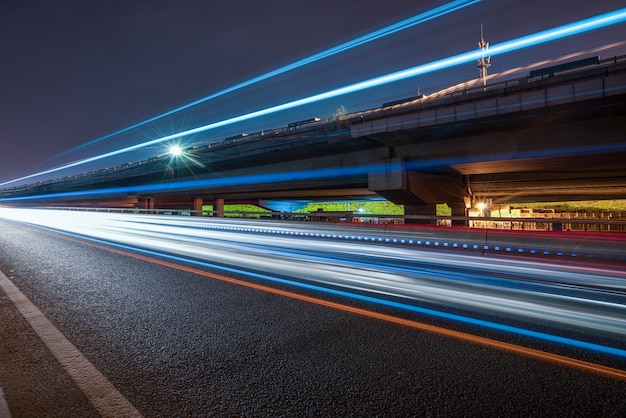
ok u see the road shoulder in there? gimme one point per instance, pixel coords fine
(33, 381)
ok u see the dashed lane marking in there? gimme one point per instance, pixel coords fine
(101, 393)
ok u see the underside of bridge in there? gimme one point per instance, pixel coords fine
(573, 153)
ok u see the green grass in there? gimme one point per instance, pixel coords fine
(368, 207)
(374, 208)
(384, 207)
(586, 206)
(239, 208)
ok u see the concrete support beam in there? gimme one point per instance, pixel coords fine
(405, 187)
(218, 208)
(392, 183)
(459, 209)
(436, 188)
(428, 211)
(197, 206)
(146, 203)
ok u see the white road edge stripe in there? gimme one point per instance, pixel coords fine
(101, 393)
(4, 409)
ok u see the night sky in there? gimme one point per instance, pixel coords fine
(75, 70)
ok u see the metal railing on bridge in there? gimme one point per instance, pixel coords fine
(521, 94)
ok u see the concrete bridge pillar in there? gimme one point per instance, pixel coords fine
(146, 203)
(424, 214)
(458, 209)
(218, 208)
(419, 192)
(197, 206)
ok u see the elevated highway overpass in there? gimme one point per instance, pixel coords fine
(545, 137)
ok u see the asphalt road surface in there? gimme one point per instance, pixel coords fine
(187, 317)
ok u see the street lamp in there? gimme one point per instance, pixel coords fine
(175, 150)
(481, 207)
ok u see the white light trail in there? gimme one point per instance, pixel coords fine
(564, 297)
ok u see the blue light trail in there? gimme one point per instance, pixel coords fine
(388, 30)
(107, 225)
(220, 182)
(539, 38)
(389, 303)
(275, 177)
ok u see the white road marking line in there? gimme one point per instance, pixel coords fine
(4, 409)
(101, 393)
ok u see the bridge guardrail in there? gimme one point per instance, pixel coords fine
(513, 96)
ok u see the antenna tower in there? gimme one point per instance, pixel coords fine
(484, 62)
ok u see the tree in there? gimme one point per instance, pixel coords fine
(340, 113)
(340, 116)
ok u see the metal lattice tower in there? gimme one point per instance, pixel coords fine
(484, 62)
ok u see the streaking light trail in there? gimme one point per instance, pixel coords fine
(545, 356)
(389, 30)
(548, 295)
(539, 38)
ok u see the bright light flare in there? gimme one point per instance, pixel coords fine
(481, 206)
(175, 151)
